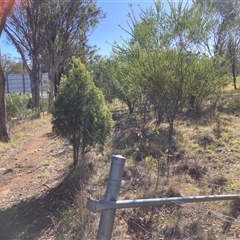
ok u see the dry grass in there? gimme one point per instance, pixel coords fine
(199, 161)
(19, 131)
(202, 159)
(230, 89)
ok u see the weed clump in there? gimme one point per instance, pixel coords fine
(19, 106)
(172, 192)
(196, 171)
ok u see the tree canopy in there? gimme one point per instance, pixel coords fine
(164, 62)
(12, 65)
(49, 33)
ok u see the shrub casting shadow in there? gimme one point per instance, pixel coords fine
(28, 219)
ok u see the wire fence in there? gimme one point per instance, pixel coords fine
(220, 214)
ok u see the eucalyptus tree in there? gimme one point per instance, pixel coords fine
(68, 25)
(223, 38)
(23, 30)
(231, 25)
(5, 9)
(12, 65)
(49, 33)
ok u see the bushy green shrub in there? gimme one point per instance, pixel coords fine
(16, 105)
(20, 106)
(79, 111)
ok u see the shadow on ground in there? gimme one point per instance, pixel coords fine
(29, 219)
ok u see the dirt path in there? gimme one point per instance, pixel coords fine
(27, 174)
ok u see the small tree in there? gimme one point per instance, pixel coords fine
(79, 111)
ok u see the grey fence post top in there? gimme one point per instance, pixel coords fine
(120, 157)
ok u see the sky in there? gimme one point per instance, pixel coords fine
(108, 30)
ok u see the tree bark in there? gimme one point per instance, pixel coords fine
(234, 73)
(51, 95)
(75, 156)
(170, 132)
(6, 7)
(3, 124)
(130, 106)
(35, 86)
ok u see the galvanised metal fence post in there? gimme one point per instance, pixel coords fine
(112, 193)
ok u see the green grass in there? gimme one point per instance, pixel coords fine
(43, 175)
(47, 163)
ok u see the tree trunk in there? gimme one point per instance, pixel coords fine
(56, 84)
(130, 107)
(51, 97)
(160, 113)
(75, 156)
(76, 149)
(35, 85)
(35, 92)
(170, 133)
(3, 123)
(51, 89)
(234, 73)
(58, 76)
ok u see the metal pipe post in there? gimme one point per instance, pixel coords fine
(7, 82)
(96, 206)
(23, 80)
(112, 193)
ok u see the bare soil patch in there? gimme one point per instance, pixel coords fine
(32, 176)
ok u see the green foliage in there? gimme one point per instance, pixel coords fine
(43, 104)
(12, 65)
(20, 106)
(16, 105)
(79, 111)
(126, 86)
(209, 78)
(163, 61)
(114, 77)
(101, 71)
